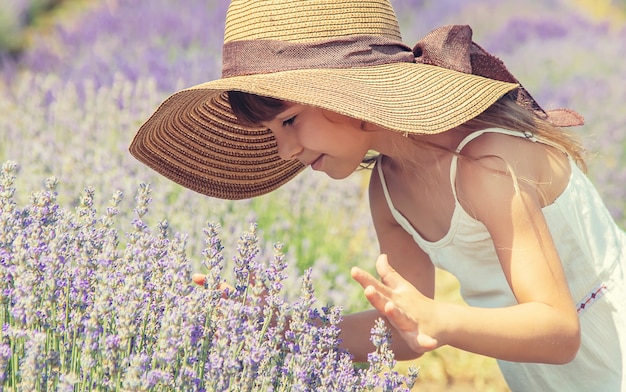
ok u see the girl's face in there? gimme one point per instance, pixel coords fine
(327, 141)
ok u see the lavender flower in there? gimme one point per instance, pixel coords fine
(381, 360)
(5, 355)
(124, 315)
(32, 363)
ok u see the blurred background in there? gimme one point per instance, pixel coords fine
(78, 77)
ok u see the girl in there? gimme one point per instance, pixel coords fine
(471, 176)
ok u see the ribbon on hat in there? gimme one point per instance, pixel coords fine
(250, 57)
(452, 47)
(448, 47)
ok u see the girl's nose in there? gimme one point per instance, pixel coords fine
(288, 146)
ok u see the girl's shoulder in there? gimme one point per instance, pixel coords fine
(495, 142)
(539, 168)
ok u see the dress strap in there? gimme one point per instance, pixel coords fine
(476, 134)
(526, 135)
(383, 182)
(401, 219)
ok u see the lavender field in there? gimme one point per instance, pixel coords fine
(96, 265)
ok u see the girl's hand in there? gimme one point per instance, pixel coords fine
(200, 280)
(399, 301)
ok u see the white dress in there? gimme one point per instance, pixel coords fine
(592, 249)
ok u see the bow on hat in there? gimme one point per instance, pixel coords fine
(452, 47)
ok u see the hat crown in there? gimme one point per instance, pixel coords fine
(309, 20)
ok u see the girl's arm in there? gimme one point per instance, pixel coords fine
(544, 326)
(420, 272)
(408, 259)
(508, 200)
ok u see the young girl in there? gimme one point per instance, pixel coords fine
(471, 176)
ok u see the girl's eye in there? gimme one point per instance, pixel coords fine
(289, 121)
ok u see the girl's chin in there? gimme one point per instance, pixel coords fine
(336, 173)
(317, 165)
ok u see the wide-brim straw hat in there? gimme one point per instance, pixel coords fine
(345, 56)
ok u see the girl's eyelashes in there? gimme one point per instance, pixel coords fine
(289, 121)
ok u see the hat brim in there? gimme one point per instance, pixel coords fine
(194, 139)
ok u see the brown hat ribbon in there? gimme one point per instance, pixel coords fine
(452, 47)
(343, 52)
(448, 47)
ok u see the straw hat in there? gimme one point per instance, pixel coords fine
(345, 56)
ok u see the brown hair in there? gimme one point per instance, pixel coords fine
(506, 113)
(252, 109)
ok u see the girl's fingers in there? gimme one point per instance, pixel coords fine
(378, 292)
(398, 318)
(362, 277)
(382, 295)
(427, 342)
(421, 342)
(226, 286)
(387, 274)
(365, 279)
(199, 279)
(376, 298)
(418, 341)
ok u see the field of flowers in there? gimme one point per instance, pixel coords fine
(95, 291)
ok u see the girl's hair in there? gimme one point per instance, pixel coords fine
(252, 109)
(508, 114)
